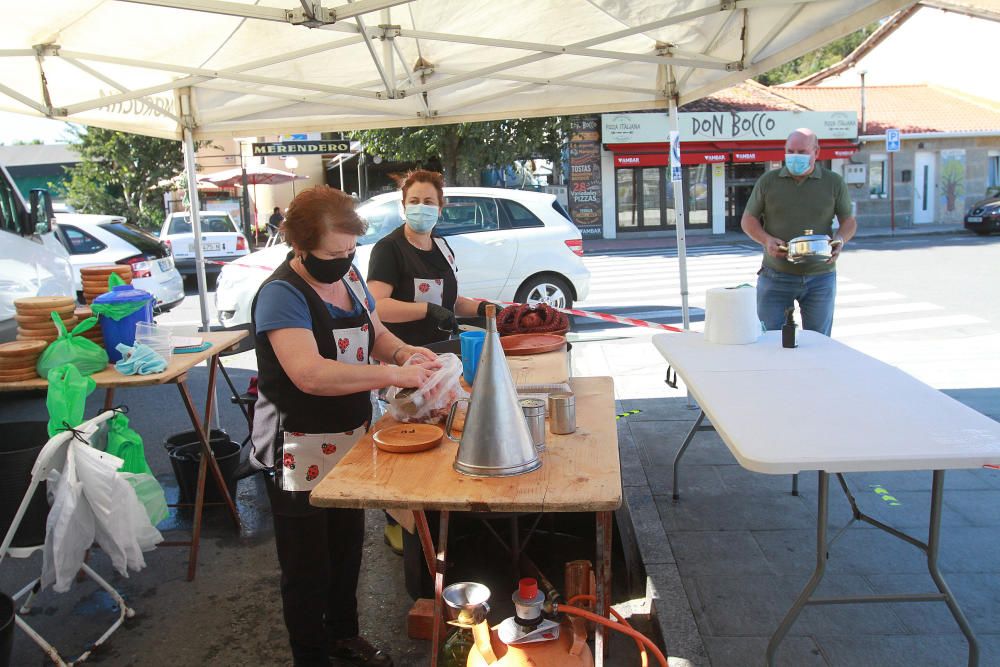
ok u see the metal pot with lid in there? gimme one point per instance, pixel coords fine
(810, 248)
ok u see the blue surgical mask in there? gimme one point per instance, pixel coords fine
(797, 163)
(421, 218)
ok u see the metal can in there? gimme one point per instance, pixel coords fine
(534, 415)
(562, 413)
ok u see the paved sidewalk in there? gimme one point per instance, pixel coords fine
(728, 559)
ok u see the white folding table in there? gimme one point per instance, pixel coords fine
(824, 406)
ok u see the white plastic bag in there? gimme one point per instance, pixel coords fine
(429, 404)
(69, 530)
(93, 502)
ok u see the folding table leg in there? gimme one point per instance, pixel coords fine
(439, 568)
(604, 537)
(680, 452)
(109, 398)
(817, 577)
(207, 463)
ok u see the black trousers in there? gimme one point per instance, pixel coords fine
(319, 551)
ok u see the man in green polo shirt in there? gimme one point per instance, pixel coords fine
(789, 202)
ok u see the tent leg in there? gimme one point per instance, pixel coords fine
(679, 217)
(199, 255)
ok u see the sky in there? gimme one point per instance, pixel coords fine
(15, 127)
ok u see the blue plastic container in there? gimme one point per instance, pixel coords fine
(123, 330)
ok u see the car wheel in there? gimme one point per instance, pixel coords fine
(545, 288)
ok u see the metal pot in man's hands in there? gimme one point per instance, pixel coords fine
(810, 248)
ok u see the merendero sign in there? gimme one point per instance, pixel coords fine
(302, 148)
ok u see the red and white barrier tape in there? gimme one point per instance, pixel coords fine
(568, 311)
(991, 466)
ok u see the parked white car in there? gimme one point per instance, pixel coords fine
(510, 245)
(108, 239)
(221, 240)
(32, 261)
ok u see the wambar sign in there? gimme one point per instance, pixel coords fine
(302, 148)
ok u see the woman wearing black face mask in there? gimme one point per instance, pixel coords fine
(316, 330)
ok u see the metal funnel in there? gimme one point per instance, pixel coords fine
(496, 441)
(467, 602)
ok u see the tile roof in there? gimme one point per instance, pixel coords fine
(746, 96)
(912, 108)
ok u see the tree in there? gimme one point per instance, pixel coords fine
(120, 174)
(464, 149)
(817, 60)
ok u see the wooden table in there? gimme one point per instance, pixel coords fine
(580, 473)
(176, 373)
(827, 407)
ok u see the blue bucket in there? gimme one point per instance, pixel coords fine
(123, 330)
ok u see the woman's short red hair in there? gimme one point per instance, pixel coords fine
(423, 176)
(316, 211)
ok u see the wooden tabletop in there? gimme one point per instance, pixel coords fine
(580, 472)
(180, 364)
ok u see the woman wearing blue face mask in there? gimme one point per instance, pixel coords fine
(412, 271)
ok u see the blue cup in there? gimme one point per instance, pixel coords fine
(472, 347)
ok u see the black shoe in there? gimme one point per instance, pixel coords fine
(357, 651)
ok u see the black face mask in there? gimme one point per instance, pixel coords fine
(327, 270)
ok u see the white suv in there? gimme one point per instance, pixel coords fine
(510, 245)
(221, 241)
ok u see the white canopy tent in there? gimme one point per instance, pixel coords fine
(202, 69)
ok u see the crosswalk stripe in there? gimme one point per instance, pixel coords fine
(915, 324)
(860, 298)
(884, 309)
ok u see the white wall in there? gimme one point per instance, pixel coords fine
(608, 193)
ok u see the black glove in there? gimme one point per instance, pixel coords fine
(443, 318)
(481, 309)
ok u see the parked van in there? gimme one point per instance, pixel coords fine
(32, 260)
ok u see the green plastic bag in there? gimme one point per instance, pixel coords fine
(126, 444)
(71, 348)
(150, 494)
(67, 397)
(116, 311)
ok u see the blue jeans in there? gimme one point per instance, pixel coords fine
(777, 291)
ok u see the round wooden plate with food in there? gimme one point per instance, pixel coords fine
(408, 438)
(520, 344)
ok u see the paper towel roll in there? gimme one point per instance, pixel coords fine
(731, 315)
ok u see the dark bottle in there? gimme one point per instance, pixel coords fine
(789, 330)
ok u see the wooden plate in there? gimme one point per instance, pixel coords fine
(69, 323)
(22, 349)
(408, 438)
(23, 377)
(31, 305)
(105, 268)
(42, 319)
(520, 344)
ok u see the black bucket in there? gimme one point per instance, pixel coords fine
(20, 443)
(6, 629)
(184, 452)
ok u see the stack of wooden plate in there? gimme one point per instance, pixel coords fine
(94, 333)
(18, 359)
(34, 316)
(95, 279)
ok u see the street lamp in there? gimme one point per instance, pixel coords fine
(292, 163)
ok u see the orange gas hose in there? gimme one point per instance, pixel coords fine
(575, 611)
(643, 656)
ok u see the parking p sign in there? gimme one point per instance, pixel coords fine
(892, 140)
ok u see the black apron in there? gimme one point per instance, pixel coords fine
(299, 436)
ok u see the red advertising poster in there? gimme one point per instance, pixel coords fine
(585, 207)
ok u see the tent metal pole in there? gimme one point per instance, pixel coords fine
(199, 255)
(680, 217)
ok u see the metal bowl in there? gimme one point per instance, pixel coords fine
(810, 248)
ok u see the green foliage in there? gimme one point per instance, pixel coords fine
(817, 60)
(120, 174)
(465, 149)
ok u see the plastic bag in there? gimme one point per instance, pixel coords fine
(150, 494)
(71, 348)
(429, 404)
(69, 529)
(67, 397)
(116, 311)
(126, 444)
